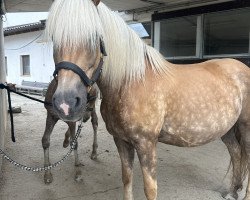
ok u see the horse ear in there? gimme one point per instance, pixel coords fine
(96, 2)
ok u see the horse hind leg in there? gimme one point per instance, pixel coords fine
(244, 129)
(238, 159)
(94, 121)
(50, 123)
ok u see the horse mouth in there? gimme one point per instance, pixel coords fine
(70, 118)
(69, 114)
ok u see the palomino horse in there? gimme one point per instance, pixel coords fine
(52, 119)
(146, 99)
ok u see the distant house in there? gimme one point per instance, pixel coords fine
(27, 57)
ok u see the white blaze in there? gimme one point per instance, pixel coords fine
(65, 108)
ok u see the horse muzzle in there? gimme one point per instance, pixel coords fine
(69, 105)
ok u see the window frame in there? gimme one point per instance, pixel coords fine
(198, 37)
(239, 55)
(22, 67)
(200, 13)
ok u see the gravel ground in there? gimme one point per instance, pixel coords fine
(183, 173)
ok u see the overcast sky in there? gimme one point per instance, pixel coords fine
(13, 19)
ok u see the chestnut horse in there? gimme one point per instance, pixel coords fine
(52, 119)
(146, 99)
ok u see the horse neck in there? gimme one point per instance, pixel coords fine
(104, 88)
(110, 92)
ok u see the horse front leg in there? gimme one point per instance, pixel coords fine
(66, 139)
(72, 129)
(50, 123)
(126, 152)
(146, 151)
(94, 121)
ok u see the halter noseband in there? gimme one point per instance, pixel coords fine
(76, 69)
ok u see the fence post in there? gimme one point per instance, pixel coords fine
(3, 100)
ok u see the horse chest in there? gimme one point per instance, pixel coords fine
(131, 123)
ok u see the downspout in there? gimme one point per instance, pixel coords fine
(3, 100)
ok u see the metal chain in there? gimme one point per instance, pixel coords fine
(40, 169)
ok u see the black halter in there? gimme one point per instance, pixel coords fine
(76, 69)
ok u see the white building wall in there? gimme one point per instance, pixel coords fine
(41, 57)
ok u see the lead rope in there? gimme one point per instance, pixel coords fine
(40, 169)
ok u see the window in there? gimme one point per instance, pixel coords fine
(147, 26)
(143, 30)
(6, 66)
(227, 32)
(215, 34)
(178, 37)
(25, 68)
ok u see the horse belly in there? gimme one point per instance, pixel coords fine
(198, 129)
(187, 140)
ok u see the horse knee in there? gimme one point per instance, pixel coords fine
(86, 117)
(66, 143)
(66, 139)
(94, 120)
(45, 142)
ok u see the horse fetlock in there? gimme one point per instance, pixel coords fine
(230, 196)
(239, 188)
(45, 144)
(95, 123)
(95, 146)
(78, 176)
(93, 155)
(48, 178)
(128, 197)
(65, 143)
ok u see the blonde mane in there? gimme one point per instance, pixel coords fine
(75, 23)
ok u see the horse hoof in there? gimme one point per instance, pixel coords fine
(240, 189)
(78, 177)
(65, 143)
(48, 178)
(230, 196)
(93, 156)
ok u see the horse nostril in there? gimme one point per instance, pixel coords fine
(78, 101)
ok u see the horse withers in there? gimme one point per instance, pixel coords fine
(146, 99)
(52, 119)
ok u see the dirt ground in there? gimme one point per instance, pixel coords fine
(183, 173)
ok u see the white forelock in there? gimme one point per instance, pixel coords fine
(77, 22)
(72, 24)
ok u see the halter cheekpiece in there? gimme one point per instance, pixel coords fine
(76, 69)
